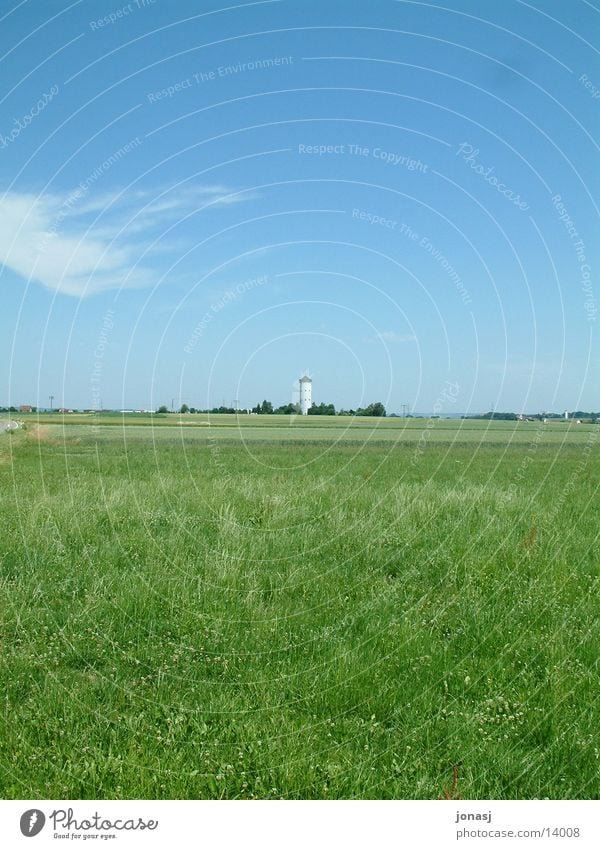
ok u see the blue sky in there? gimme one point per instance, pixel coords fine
(200, 203)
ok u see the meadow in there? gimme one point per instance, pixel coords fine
(276, 609)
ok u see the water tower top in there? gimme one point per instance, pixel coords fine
(306, 379)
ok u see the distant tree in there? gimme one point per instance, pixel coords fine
(375, 409)
(286, 409)
(501, 417)
(193, 410)
(266, 407)
(162, 409)
(321, 410)
(184, 408)
(583, 414)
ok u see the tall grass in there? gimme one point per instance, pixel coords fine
(297, 621)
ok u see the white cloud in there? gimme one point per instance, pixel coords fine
(54, 240)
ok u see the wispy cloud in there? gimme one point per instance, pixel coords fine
(80, 245)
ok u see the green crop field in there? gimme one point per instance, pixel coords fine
(213, 607)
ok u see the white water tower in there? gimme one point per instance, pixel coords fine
(305, 394)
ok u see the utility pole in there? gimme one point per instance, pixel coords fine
(51, 402)
(172, 405)
(404, 406)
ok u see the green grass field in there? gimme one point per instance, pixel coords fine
(266, 609)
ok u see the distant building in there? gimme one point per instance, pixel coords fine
(26, 408)
(305, 394)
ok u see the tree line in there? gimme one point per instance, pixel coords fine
(513, 417)
(266, 408)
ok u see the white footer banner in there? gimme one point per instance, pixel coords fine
(295, 824)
